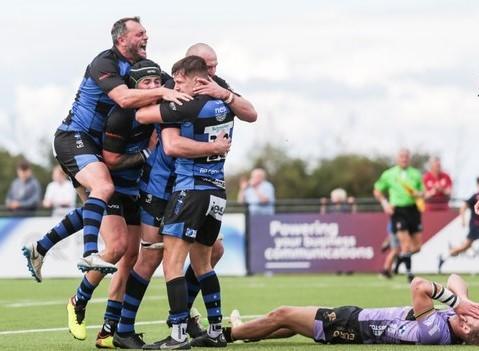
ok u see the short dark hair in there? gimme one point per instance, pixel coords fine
(23, 165)
(119, 27)
(191, 65)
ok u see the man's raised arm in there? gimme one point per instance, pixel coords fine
(132, 98)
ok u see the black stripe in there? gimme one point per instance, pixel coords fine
(93, 208)
(68, 225)
(128, 306)
(213, 304)
(440, 293)
(90, 238)
(53, 236)
(92, 222)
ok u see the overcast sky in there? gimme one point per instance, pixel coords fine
(325, 76)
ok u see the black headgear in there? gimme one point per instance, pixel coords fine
(142, 69)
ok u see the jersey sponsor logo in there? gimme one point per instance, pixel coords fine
(190, 233)
(216, 207)
(378, 330)
(114, 206)
(344, 335)
(78, 142)
(149, 198)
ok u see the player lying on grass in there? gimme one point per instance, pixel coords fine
(419, 324)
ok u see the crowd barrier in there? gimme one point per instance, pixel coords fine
(282, 243)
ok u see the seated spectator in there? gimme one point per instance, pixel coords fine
(339, 202)
(438, 186)
(25, 191)
(60, 194)
(257, 192)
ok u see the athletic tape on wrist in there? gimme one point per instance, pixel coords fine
(444, 295)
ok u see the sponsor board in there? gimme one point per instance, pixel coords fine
(61, 260)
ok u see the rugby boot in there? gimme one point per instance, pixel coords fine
(94, 262)
(34, 260)
(168, 343)
(193, 327)
(104, 339)
(130, 341)
(76, 319)
(207, 341)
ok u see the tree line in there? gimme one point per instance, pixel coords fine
(293, 177)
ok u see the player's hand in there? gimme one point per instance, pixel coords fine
(476, 208)
(211, 88)
(388, 209)
(175, 96)
(222, 144)
(467, 308)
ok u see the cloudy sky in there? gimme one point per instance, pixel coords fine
(325, 76)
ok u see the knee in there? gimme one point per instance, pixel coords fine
(280, 315)
(116, 249)
(104, 190)
(217, 253)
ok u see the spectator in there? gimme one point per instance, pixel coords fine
(60, 194)
(438, 186)
(257, 192)
(339, 202)
(24, 193)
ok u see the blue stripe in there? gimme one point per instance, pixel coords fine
(90, 247)
(206, 275)
(175, 229)
(214, 312)
(95, 201)
(87, 214)
(131, 300)
(139, 278)
(212, 297)
(7, 226)
(90, 229)
(84, 160)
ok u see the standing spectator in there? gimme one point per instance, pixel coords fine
(437, 185)
(339, 202)
(403, 184)
(60, 194)
(473, 228)
(24, 193)
(258, 193)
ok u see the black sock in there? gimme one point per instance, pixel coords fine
(178, 300)
(193, 286)
(210, 288)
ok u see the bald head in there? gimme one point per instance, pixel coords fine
(207, 53)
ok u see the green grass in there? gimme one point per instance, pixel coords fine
(25, 304)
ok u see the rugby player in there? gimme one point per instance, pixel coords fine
(77, 141)
(193, 214)
(419, 324)
(155, 187)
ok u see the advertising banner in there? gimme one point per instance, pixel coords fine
(61, 260)
(339, 242)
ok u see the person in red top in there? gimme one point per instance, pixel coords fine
(438, 186)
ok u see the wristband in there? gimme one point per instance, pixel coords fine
(444, 295)
(145, 153)
(230, 98)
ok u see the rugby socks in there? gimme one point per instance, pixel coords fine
(70, 224)
(135, 290)
(113, 311)
(210, 288)
(84, 292)
(178, 299)
(193, 286)
(93, 210)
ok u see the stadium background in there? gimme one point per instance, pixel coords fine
(356, 71)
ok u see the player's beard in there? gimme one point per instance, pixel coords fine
(134, 52)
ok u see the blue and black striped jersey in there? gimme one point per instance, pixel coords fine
(92, 104)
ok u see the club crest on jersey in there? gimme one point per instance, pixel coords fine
(221, 112)
(172, 106)
(190, 232)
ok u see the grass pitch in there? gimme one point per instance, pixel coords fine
(33, 316)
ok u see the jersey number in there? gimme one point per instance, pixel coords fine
(213, 132)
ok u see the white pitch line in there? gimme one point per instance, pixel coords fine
(46, 330)
(63, 302)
